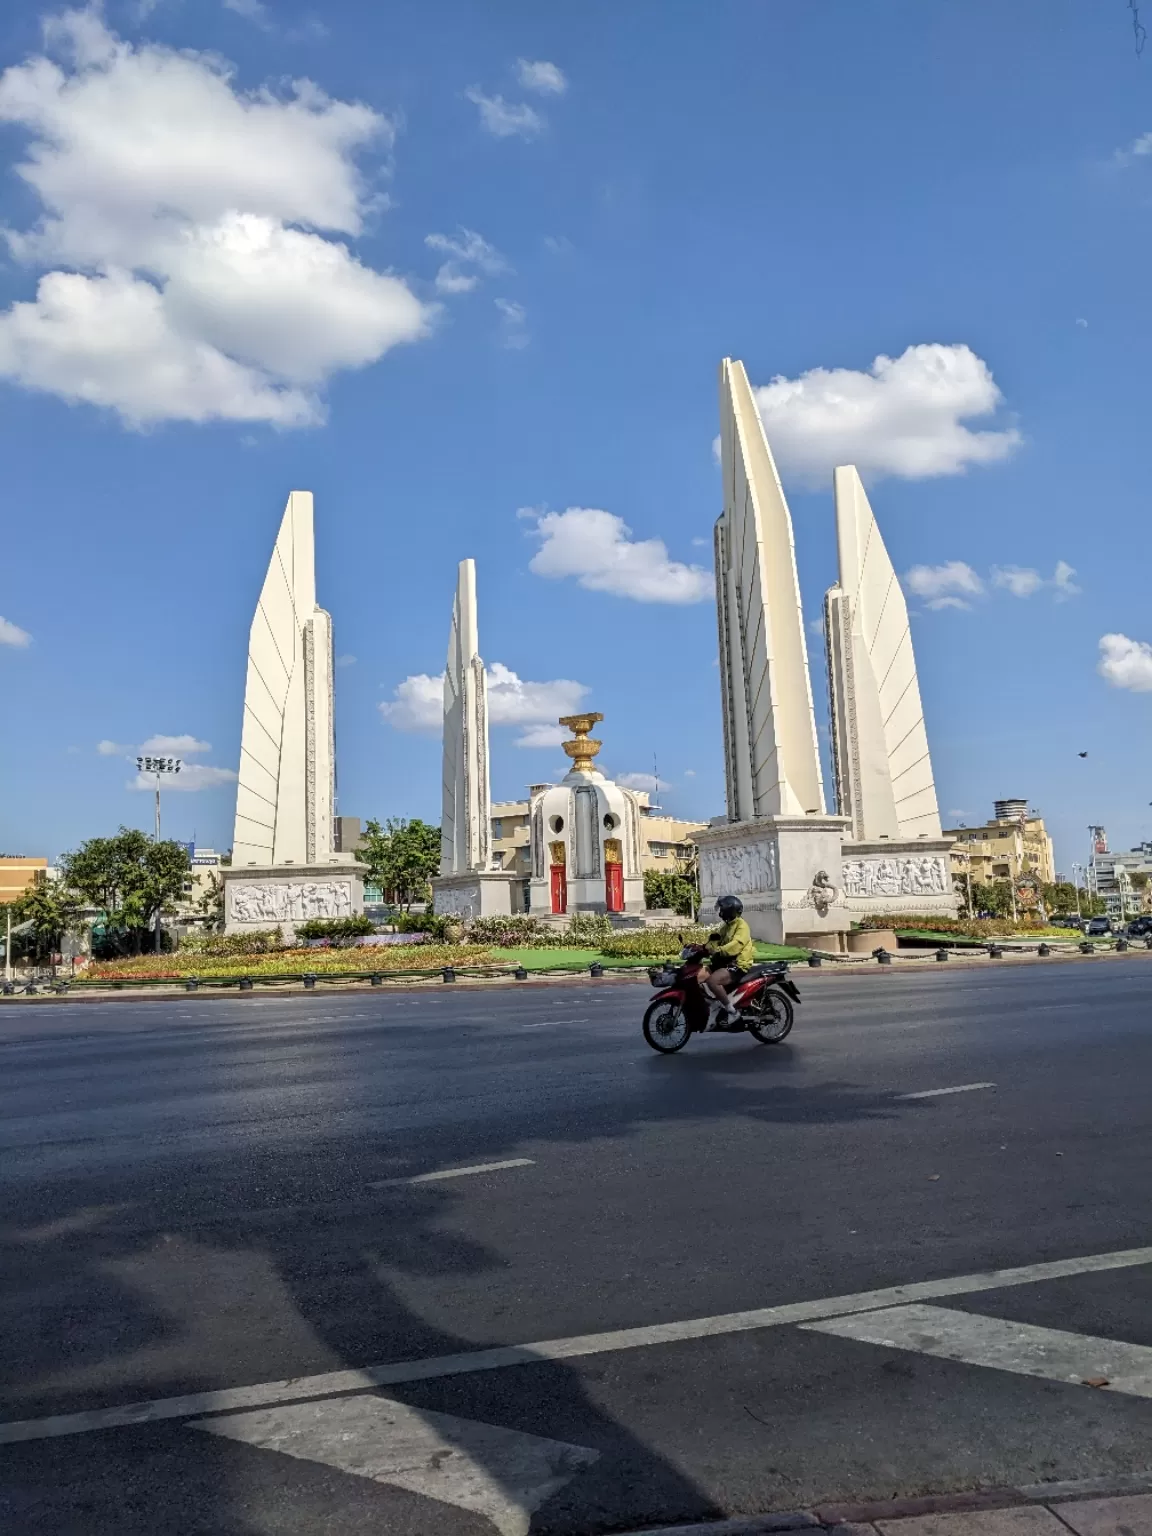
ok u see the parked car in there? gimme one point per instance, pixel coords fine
(1097, 926)
(1066, 920)
(1140, 927)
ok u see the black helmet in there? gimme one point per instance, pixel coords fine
(729, 907)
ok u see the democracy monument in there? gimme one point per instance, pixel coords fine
(802, 874)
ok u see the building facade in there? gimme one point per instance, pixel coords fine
(1005, 848)
(17, 873)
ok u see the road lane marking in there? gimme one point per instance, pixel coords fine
(939, 1093)
(503, 1474)
(332, 1383)
(545, 1023)
(1021, 1348)
(456, 1173)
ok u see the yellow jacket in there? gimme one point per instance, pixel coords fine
(735, 941)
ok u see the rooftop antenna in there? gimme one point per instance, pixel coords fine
(654, 804)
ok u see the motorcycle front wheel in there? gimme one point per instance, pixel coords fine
(770, 1016)
(666, 1026)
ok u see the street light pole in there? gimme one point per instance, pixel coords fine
(8, 950)
(158, 765)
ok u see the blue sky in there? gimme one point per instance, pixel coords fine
(466, 272)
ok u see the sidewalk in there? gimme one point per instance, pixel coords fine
(1116, 1506)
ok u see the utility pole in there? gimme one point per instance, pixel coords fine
(8, 950)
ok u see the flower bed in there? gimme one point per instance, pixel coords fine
(289, 962)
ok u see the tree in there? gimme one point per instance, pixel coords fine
(669, 888)
(210, 902)
(1061, 898)
(401, 856)
(129, 878)
(53, 911)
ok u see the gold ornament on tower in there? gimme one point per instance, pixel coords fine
(581, 751)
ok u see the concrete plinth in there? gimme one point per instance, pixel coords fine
(282, 895)
(786, 872)
(483, 893)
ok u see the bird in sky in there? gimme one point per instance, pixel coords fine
(1082, 754)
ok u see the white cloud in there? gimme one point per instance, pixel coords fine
(1082, 323)
(513, 317)
(251, 10)
(346, 661)
(1126, 663)
(464, 249)
(179, 221)
(175, 746)
(505, 119)
(113, 748)
(192, 777)
(944, 586)
(647, 781)
(540, 76)
(596, 548)
(904, 416)
(417, 704)
(12, 634)
(1021, 581)
(1062, 581)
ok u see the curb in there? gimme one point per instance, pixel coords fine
(828, 1517)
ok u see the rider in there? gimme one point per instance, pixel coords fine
(732, 954)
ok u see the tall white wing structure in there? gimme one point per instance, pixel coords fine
(465, 822)
(884, 778)
(770, 749)
(286, 791)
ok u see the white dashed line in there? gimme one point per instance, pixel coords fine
(939, 1093)
(457, 1173)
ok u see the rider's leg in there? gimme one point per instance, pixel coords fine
(717, 983)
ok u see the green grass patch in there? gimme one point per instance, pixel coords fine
(930, 936)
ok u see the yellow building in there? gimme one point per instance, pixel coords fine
(1013, 844)
(668, 841)
(18, 873)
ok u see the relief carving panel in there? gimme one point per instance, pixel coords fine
(289, 901)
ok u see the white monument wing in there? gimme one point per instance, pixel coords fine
(883, 768)
(465, 819)
(771, 753)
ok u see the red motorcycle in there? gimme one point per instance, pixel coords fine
(680, 1009)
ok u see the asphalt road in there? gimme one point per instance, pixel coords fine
(209, 1195)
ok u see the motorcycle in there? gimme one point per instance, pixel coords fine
(681, 1008)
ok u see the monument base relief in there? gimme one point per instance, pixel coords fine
(282, 895)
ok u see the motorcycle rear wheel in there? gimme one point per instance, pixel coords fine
(666, 1027)
(770, 1016)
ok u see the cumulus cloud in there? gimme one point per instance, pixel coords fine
(514, 319)
(1126, 663)
(904, 416)
(175, 746)
(596, 548)
(1023, 581)
(505, 119)
(192, 777)
(417, 704)
(187, 276)
(12, 634)
(113, 748)
(251, 10)
(540, 76)
(944, 586)
(466, 249)
(347, 660)
(647, 781)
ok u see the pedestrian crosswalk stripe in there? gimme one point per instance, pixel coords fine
(503, 1474)
(1021, 1348)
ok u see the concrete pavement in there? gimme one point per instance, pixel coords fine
(220, 1200)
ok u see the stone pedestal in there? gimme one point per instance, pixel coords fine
(785, 870)
(889, 877)
(484, 893)
(282, 895)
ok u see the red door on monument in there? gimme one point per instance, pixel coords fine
(614, 887)
(559, 888)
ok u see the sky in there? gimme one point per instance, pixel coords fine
(467, 272)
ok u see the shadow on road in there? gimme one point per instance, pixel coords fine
(173, 1272)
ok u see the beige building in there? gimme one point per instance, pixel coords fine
(18, 873)
(668, 841)
(1013, 844)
